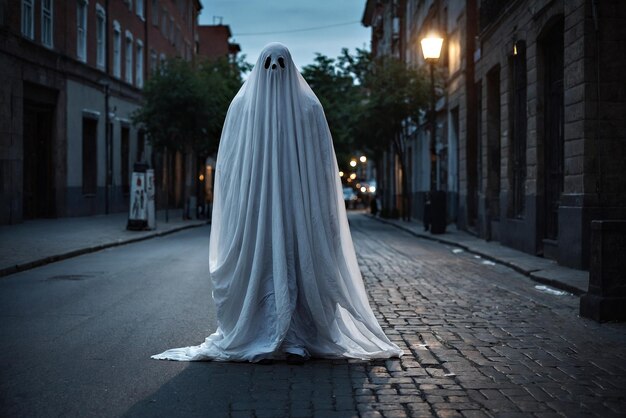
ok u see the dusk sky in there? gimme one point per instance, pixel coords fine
(255, 23)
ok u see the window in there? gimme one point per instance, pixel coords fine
(162, 61)
(27, 19)
(81, 30)
(155, 12)
(46, 23)
(454, 52)
(517, 129)
(139, 9)
(164, 22)
(172, 28)
(129, 57)
(139, 69)
(90, 155)
(100, 35)
(154, 61)
(190, 16)
(117, 50)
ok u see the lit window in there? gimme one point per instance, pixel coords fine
(139, 68)
(454, 53)
(100, 35)
(46, 23)
(129, 57)
(81, 30)
(117, 50)
(27, 19)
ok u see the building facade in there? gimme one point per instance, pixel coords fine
(397, 27)
(215, 42)
(533, 117)
(73, 73)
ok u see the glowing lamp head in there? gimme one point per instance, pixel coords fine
(363, 158)
(353, 163)
(431, 47)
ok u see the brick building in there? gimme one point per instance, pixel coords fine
(215, 42)
(72, 75)
(535, 105)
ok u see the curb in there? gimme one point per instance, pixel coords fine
(531, 274)
(75, 253)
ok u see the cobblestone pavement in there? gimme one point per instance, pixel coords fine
(480, 339)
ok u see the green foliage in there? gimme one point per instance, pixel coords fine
(395, 95)
(221, 80)
(367, 102)
(336, 90)
(185, 105)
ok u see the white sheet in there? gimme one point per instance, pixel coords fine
(283, 267)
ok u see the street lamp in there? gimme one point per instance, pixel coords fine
(431, 48)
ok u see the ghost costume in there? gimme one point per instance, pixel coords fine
(282, 263)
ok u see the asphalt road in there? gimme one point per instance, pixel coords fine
(77, 335)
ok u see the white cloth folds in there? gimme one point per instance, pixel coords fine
(282, 263)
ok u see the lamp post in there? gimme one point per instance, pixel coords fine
(431, 48)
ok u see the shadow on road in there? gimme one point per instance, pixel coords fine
(321, 387)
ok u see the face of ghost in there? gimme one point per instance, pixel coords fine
(275, 81)
(270, 63)
(275, 58)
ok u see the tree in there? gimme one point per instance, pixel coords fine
(395, 97)
(370, 105)
(335, 87)
(184, 106)
(172, 111)
(221, 80)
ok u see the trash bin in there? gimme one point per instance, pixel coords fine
(141, 207)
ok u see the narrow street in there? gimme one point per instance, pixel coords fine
(480, 340)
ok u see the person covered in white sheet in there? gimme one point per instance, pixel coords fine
(286, 282)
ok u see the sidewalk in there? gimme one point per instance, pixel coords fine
(42, 241)
(538, 269)
(38, 242)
